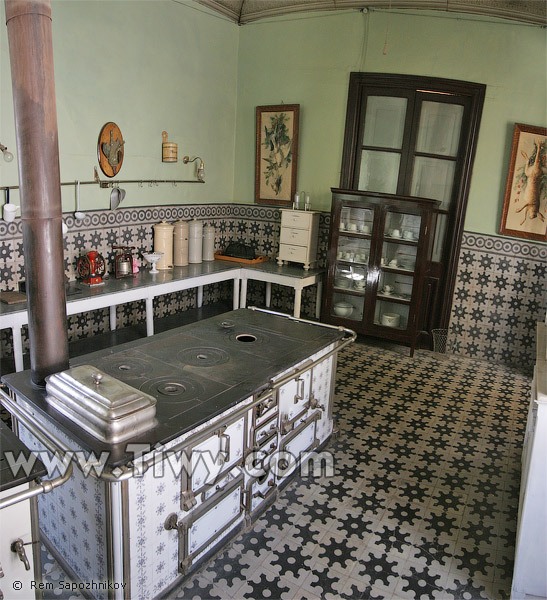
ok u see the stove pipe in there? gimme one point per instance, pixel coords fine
(31, 57)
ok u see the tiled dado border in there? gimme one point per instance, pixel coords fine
(500, 294)
(101, 229)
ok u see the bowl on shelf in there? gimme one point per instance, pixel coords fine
(391, 319)
(343, 309)
(153, 258)
(341, 282)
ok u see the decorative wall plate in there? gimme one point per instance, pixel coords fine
(110, 149)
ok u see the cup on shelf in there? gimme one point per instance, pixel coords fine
(408, 235)
(387, 289)
(395, 233)
(360, 284)
(10, 211)
(393, 263)
(343, 226)
(364, 228)
(352, 227)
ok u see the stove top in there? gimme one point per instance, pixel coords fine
(195, 372)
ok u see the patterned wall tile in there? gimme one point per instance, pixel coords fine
(500, 294)
(256, 226)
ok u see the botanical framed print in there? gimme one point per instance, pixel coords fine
(276, 153)
(525, 203)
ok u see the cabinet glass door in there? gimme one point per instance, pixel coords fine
(352, 262)
(396, 273)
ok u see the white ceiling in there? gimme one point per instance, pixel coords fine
(245, 11)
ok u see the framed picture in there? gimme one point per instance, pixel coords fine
(525, 203)
(276, 153)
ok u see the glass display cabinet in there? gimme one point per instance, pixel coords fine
(380, 246)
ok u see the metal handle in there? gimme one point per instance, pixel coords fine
(224, 453)
(299, 394)
(19, 548)
(41, 487)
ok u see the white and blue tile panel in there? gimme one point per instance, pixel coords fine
(500, 294)
(101, 229)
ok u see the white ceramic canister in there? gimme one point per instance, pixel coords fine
(163, 242)
(209, 243)
(195, 241)
(180, 244)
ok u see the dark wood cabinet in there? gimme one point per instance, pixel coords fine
(380, 248)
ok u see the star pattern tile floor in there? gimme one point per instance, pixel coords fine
(422, 502)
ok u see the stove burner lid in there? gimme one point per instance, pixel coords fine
(203, 356)
(169, 389)
(124, 367)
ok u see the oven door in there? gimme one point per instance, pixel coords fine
(294, 397)
(208, 524)
(211, 459)
(294, 446)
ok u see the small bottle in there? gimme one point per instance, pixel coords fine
(296, 201)
(307, 205)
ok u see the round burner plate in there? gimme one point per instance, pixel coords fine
(203, 357)
(125, 367)
(173, 389)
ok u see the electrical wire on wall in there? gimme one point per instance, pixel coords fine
(364, 42)
(384, 51)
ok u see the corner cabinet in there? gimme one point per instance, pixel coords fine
(380, 246)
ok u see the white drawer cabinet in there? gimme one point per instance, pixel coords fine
(298, 237)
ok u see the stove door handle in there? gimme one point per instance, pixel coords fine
(19, 548)
(224, 448)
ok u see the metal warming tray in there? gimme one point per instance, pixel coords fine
(107, 408)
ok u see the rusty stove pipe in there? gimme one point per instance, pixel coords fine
(31, 57)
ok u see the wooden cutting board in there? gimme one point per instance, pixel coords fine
(12, 297)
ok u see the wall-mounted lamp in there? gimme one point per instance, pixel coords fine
(8, 156)
(201, 168)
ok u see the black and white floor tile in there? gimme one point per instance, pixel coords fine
(423, 500)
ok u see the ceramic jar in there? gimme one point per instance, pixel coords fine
(163, 242)
(209, 243)
(195, 241)
(180, 244)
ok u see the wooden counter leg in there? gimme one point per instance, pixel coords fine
(297, 302)
(149, 316)
(113, 318)
(17, 347)
(243, 293)
(318, 299)
(236, 293)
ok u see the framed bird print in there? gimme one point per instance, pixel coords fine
(276, 153)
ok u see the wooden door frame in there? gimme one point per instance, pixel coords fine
(475, 92)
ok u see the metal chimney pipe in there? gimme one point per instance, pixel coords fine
(31, 58)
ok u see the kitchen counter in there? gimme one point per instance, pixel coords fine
(146, 286)
(195, 372)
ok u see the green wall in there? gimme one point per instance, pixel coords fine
(307, 60)
(148, 66)
(155, 65)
